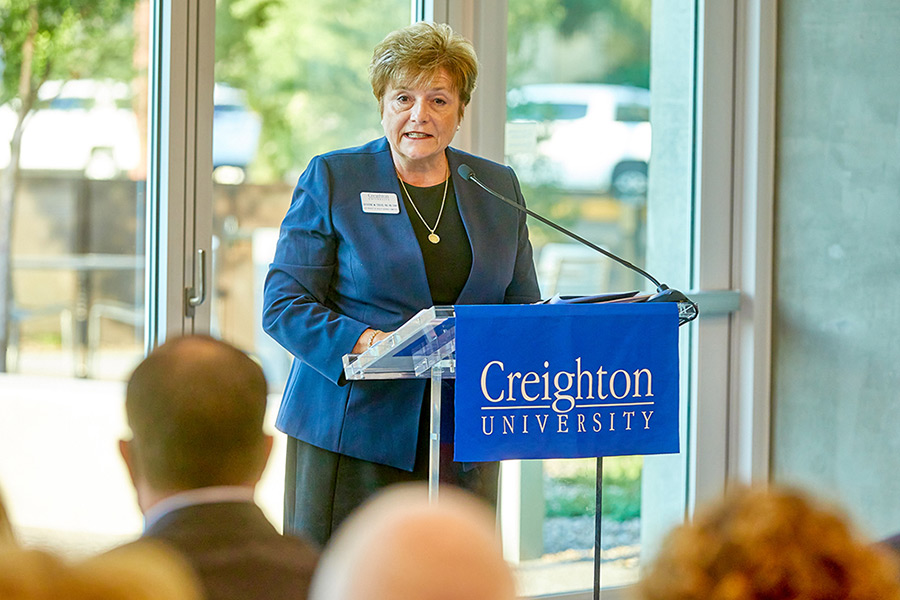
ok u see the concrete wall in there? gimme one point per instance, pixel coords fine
(836, 365)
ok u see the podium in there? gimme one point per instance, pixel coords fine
(615, 397)
(422, 348)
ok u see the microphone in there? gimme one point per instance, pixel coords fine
(687, 309)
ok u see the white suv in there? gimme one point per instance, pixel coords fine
(592, 138)
(90, 126)
(80, 125)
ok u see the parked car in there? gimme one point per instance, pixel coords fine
(592, 138)
(236, 132)
(90, 126)
(79, 125)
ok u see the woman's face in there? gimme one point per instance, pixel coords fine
(420, 122)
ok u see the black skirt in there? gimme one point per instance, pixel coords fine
(322, 487)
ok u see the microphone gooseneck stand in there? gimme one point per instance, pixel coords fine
(687, 309)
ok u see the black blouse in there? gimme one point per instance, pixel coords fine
(447, 263)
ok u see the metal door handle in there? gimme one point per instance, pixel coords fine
(196, 295)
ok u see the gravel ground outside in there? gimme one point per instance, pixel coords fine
(574, 536)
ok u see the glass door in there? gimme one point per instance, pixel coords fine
(73, 170)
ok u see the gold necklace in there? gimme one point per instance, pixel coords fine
(432, 236)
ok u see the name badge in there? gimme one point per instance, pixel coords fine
(380, 203)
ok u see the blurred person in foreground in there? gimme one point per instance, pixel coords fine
(136, 572)
(400, 546)
(373, 235)
(195, 407)
(769, 544)
(6, 530)
(893, 542)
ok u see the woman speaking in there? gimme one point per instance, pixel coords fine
(373, 235)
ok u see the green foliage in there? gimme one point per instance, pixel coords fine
(627, 46)
(71, 39)
(550, 201)
(622, 13)
(304, 67)
(524, 17)
(573, 494)
(622, 487)
(570, 502)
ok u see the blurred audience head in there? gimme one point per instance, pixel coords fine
(398, 545)
(195, 407)
(142, 571)
(6, 530)
(769, 544)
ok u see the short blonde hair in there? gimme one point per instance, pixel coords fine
(414, 55)
(772, 544)
(144, 570)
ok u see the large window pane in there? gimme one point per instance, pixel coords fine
(578, 134)
(72, 151)
(291, 82)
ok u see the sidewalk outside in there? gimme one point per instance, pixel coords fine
(60, 472)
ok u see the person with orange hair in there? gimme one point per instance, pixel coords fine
(769, 544)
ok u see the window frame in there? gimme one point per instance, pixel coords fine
(729, 362)
(179, 187)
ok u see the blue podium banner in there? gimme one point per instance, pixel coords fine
(566, 381)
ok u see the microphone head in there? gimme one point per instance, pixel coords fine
(687, 308)
(666, 294)
(466, 172)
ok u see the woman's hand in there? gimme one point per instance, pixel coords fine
(369, 338)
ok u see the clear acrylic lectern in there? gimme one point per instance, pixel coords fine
(422, 348)
(425, 347)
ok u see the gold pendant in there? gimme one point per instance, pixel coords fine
(434, 238)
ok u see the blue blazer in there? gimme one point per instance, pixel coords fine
(338, 270)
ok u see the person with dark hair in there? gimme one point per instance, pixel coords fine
(373, 235)
(769, 544)
(195, 407)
